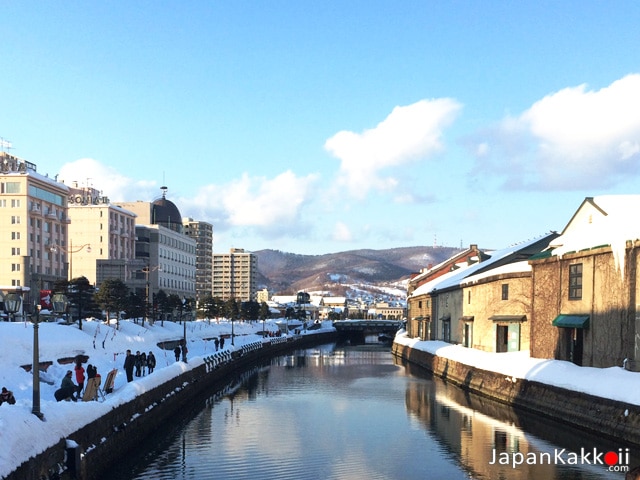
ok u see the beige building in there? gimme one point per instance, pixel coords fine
(420, 284)
(98, 230)
(385, 311)
(34, 219)
(234, 275)
(262, 296)
(445, 308)
(496, 309)
(585, 305)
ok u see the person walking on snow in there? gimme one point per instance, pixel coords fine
(138, 363)
(129, 363)
(151, 362)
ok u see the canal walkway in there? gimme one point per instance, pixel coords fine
(35, 449)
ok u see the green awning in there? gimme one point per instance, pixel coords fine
(508, 318)
(571, 321)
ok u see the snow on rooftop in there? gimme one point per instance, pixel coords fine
(515, 267)
(605, 220)
(454, 278)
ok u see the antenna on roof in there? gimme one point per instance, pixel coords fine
(5, 144)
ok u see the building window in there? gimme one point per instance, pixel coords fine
(575, 281)
(419, 303)
(10, 187)
(505, 291)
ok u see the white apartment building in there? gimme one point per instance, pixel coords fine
(202, 233)
(234, 275)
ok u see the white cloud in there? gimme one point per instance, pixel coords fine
(257, 202)
(573, 138)
(341, 233)
(87, 172)
(408, 134)
(274, 206)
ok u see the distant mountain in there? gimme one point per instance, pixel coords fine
(345, 273)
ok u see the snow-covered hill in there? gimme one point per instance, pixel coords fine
(378, 273)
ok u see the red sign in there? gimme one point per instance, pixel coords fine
(45, 300)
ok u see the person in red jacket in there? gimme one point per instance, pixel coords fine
(79, 375)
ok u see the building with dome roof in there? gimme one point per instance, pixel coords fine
(164, 212)
(165, 256)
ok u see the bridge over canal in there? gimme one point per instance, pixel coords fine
(358, 330)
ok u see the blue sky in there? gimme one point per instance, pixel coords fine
(317, 127)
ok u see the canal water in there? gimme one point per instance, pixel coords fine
(353, 412)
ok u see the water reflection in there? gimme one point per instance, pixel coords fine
(491, 440)
(337, 412)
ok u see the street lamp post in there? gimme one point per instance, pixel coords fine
(146, 271)
(70, 251)
(184, 335)
(233, 335)
(59, 302)
(36, 366)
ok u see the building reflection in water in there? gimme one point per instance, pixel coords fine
(477, 431)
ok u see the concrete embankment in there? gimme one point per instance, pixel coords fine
(613, 419)
(89, 452)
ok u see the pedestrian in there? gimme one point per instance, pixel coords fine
(7, 396)
(221, 343)
(129, 363)
(176, 352)
(216, 342)
(185, 350)
(143, 363)
(79, 369)
(151, 362)
(67, 388)
(91, 371)
(138, 363)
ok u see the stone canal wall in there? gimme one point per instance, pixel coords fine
(615, 420)
(88, 453)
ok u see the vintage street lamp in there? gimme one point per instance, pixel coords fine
(12, 303)
(60, 303)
